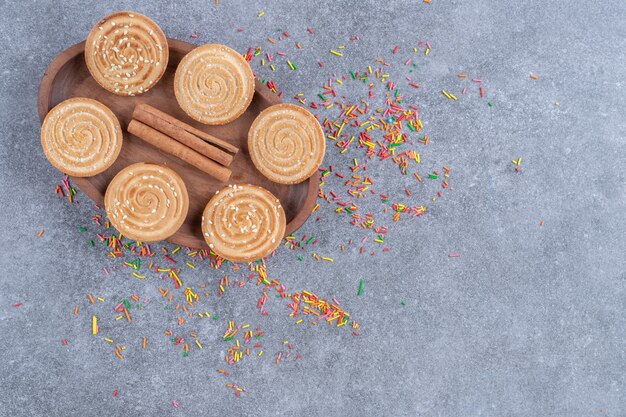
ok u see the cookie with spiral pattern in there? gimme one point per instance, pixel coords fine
(214, 84)
(243, 223)
(147, 202)
(81, 137)
(286, 143)
(126, 53)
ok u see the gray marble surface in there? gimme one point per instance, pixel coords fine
(527, 321)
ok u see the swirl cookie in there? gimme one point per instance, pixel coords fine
(81, 137)
(126, 53)
(286, 143)
(243, 223)
(214, 84)
(147, 202)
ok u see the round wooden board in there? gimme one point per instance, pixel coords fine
(67, 77)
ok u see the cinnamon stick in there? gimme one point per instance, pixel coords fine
(173, 147)
(203, 135)
(183, 136)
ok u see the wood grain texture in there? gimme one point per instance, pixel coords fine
(67, 76)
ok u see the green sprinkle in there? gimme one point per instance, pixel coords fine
(403, 303)
(433, 176)
(91, 243)
(311, 239)
(300, 258)
(320, 95)
(353, 75)
(228, 338)
(215, 317)
(360, 288)
(185, 354)
(82, 229)
(489, 103)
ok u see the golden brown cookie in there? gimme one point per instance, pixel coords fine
(214, 84)
(147, 202)
(286, 143)
(243, 223)
(126, 53)
(81, 137)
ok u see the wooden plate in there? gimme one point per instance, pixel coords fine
(67, 76)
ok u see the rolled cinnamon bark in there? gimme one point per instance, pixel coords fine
(181, 135)
(203, 135)
(173, 147)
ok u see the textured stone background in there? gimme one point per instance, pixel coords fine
(528, 321)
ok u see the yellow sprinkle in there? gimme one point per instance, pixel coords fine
(245, 327)
(328, 259)
(336, 53)
(106, 339)
(138, 276)
(272, 67)
(260, 14)
(261, 353)
(119, 318)
(198, 343)
(94, 325)
(191, 265)
(175, 250)
(299, 321)
(101, 299)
